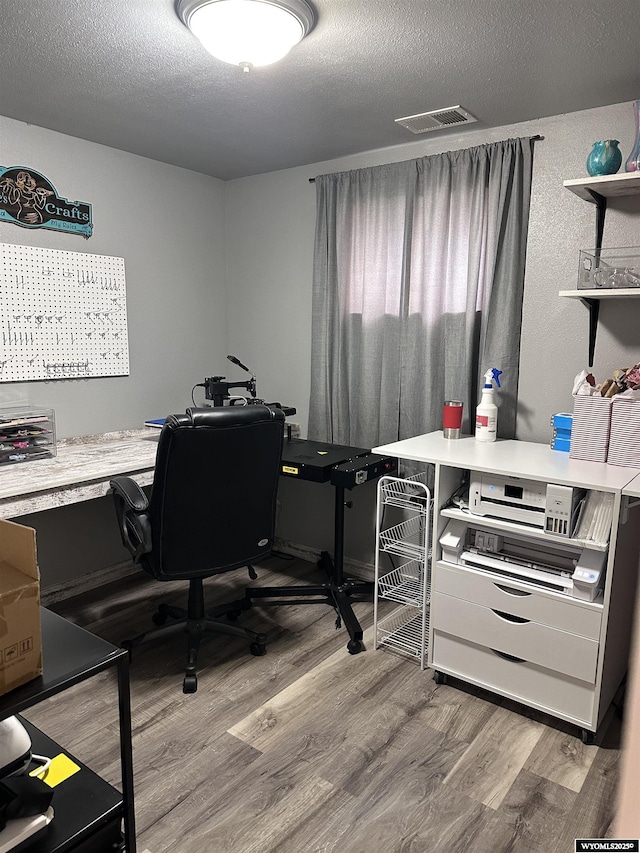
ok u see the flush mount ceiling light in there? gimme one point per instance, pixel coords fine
(247, 32)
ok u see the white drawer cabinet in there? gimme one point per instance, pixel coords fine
(515, 636)
(519, 599)
(540, 687)
(548, 650)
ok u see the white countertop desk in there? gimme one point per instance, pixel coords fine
(80, 471)
(525, 459)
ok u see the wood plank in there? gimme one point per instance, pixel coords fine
(592, 813)
(414, 815)
(261, 811)
(536, 809)
(495, 757)
(561, 757)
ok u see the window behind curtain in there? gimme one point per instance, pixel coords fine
(418, 284)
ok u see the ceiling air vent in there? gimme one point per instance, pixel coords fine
(436, 120)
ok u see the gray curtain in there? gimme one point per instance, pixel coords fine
(417, 291)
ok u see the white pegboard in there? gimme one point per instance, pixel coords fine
(63, 314)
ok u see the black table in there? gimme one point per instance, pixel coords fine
(344, 467)
(71, 655)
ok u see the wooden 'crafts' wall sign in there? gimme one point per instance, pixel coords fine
(30, 200)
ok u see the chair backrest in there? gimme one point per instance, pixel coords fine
(213, 500)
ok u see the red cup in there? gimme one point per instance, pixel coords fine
(452, 418)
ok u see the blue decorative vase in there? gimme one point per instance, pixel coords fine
(605, 158)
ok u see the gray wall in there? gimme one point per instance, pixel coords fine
(214, 268)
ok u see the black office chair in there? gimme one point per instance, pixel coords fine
(211, 510)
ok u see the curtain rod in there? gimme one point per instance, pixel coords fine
(536, 138)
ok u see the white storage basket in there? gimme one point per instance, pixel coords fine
(624, 442)
(591, 428)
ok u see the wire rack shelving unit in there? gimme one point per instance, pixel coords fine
(408, 583)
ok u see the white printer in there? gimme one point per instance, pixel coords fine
(552, 507)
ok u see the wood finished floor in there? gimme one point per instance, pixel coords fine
(312, 750)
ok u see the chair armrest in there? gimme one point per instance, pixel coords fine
(132, 511)
(130, 492)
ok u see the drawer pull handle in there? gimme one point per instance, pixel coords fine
(508, 657)
(511, 590)
(509, 617)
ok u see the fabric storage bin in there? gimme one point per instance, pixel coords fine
(624, 441)
(591, 428)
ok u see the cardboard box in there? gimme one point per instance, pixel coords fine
(20, 633)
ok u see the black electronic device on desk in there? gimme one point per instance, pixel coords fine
(217, 388)
(345, 467)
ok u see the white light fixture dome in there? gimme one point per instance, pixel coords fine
(247, 32)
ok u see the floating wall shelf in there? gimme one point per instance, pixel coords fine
(597, 190)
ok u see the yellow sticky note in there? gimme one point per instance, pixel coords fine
(61, 768)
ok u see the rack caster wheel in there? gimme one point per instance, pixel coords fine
(439, 677)
(159, 618)
(354, 647)
(587, 737)
(258, 649)
(190, 684)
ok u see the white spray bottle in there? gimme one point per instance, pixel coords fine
(487, 411)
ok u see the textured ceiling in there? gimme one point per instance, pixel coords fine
(128, 74)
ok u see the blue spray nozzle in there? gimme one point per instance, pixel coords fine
(492, 375)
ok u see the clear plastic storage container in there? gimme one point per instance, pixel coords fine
(609, 268)
(26, 433)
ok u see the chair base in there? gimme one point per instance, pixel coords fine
(336, 592)
(195, 622)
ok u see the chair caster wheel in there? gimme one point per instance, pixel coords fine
(587, 737)
(354, 647)
(439, 677)
(190, 684)
(258, 649)
(159, 618)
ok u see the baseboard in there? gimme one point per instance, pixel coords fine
(352, 568)
(75, 586)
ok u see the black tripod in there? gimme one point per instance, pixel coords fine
(336, 591)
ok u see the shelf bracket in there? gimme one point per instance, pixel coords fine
(600, 202)
(593, 305)
(594, 310)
